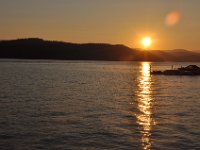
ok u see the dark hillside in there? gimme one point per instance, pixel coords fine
(34, 48)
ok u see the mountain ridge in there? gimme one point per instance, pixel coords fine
(36, 48)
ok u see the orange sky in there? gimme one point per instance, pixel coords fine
(171, 24)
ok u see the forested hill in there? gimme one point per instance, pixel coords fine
(40, 49)
(34, 48)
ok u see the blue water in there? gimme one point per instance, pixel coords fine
(95, 105)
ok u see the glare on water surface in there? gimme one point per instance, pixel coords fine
(144, 105)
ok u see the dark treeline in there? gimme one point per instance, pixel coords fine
(40, 49)
(34, 48)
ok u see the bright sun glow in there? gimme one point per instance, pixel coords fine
(146, 42)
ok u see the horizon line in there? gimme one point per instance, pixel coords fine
(136, 48)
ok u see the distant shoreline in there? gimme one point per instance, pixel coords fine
(76, 60)
(39, 49)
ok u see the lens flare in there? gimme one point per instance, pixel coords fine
(173, 18)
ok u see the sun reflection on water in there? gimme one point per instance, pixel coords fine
(144, 105)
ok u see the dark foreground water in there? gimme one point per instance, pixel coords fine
(80, 105)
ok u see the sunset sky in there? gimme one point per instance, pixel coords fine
(171, 24)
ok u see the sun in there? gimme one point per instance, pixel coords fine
(146, 42)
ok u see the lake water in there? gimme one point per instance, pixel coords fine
(96, 105)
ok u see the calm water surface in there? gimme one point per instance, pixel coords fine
(93, 105)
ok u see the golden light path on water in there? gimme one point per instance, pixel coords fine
(144, 105)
